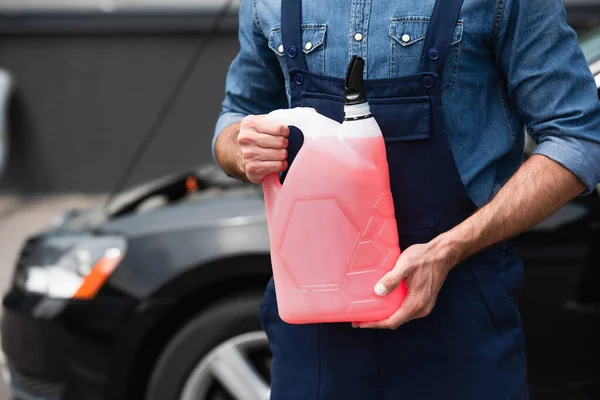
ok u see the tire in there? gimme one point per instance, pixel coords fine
(196, 339)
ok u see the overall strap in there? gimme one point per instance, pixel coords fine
(441, 28)
(291, 31)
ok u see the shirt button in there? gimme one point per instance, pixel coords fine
(358, 36)
(299, 79)
(308, 46)
(280, 48)
(406, 38)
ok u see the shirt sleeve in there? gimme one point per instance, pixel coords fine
(550, 83)
(255, 83)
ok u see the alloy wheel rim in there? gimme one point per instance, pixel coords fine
(229, 364)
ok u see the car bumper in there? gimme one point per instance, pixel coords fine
(26, 387)
(33, 366)
(57, 349)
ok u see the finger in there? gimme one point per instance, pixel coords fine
(271, 142)
(404, 314)
(255, 154)
(273, 155)
(256, 171)
(268, 126)
(392, 279)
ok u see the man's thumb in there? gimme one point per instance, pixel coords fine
(389, 282)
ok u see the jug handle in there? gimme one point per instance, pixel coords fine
(298, 117)
(293, 116)
(271, 187)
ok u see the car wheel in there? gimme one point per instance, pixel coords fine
(221, 354)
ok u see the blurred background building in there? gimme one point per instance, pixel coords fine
(90, 77)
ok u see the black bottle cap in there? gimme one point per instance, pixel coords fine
(355, 91)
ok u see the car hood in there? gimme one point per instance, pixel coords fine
(194, 199)
(234, 207)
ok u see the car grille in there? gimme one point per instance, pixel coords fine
(28, 387)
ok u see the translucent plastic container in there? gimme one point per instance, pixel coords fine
(332, 226)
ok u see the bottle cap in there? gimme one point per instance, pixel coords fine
(354, 90)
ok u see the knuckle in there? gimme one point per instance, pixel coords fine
(244, 138)
(248, 121)
(252, 168)
(420, 304)
(392, 279)
(249, 154)
(409, 265)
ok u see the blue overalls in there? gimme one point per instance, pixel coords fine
(471, 346)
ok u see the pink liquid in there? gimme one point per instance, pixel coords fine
(333, 233)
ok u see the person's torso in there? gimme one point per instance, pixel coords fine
(484, 129)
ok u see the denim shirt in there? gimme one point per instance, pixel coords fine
(512, 64)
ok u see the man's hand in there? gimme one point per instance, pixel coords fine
(253, 149)
(262, 145)
(424, 268)
(539, 188)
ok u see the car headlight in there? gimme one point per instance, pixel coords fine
(71, 267)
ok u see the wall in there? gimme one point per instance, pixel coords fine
(85, 98)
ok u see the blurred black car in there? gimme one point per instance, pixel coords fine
(156, 297)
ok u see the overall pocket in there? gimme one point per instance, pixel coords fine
(407, 39)
(406, 126)
(498, 286)
(328, 105)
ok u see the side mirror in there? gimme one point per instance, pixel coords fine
(6, 88)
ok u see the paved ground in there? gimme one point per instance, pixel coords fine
(19, 218)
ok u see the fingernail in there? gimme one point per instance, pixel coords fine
(380, 289)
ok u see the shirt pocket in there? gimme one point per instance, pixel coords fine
(407, 39)
(313, 45)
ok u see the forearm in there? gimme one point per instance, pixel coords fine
(227, 152)
(539, 188)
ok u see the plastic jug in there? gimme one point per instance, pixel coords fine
(332, 224)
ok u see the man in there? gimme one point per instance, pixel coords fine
(452, 84)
